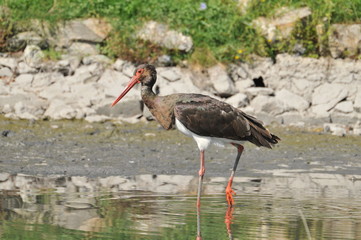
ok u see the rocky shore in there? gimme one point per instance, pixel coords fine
(292, 90)
(81, 83)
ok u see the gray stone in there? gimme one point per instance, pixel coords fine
(292, 100)
(327, 95)
(238, 100)
(33, 56)
(171, 74)
(160, 34)
(8, 62)
(5, 72)
(222, 83)
(344, 40)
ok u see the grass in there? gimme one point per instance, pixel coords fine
(219, 32)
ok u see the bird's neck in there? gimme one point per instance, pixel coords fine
(148, 96)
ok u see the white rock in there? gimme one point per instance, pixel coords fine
(33, 56)
(344, 39)
(357, 103)
(4, 177)
(8, 62)
(222, 83)
(45, 79)
(242, 85)
(87, 74)
(90, 30)
(185, 85)
(269, 105)
(55, 90)
(82, 49)
(160, 34)
(5, 72)
(292, 100)
(4, 88)
(344, 107)
(335, 129)
(59, 109)
(25, 68)
(171, 74)
(114, 82)
(238, 100)
(128, 69)
(282, 25)
(102, 59)
(24, 80)
(258, 91)
(328, 95)
(118, 65)
(96, 118)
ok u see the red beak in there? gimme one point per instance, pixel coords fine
(131, 84)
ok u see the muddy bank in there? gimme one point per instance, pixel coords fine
(79, 148)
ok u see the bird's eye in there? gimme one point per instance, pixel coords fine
(140, 71)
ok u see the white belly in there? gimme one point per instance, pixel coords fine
(203, 142)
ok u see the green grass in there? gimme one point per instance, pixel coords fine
(219, 32)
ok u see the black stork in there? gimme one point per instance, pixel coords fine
(205, 119)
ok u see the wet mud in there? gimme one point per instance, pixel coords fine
(79, 148)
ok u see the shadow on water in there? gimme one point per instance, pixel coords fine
(283, 206)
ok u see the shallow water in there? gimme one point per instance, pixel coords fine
(284, 206)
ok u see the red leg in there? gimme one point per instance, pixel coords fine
(201, 174)
(229, 190)
(228, 220)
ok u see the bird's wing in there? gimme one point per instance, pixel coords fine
(207, 116)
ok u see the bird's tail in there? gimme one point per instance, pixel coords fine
(260, 135)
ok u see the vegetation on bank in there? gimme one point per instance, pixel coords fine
(220, 30)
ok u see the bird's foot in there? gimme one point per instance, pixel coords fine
(201, 172)
(229, 195)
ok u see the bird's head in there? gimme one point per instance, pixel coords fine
(144, 74)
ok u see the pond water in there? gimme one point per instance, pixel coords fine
(286, 205)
